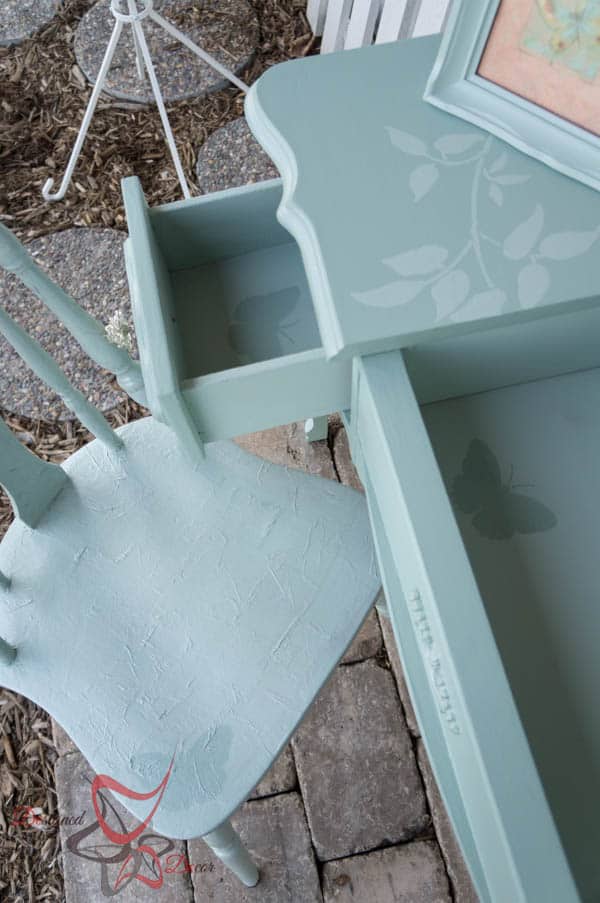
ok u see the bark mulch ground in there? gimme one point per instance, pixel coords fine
(43, 98)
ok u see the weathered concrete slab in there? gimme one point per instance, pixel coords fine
(89, 265)
(62, 741)
(343, 460)
(413, 873)
(280, 778)
(287, 445)
(356, 768)
(21, 18)
(89, 876)
(392, 651)
(228, 30)
(275, 832)
(231, 157)
(367, 642)
(464, 891)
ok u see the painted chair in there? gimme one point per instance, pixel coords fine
(166, 610)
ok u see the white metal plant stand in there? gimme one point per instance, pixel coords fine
(133, 13)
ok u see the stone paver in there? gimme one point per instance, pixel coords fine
(88, 264)
(21, 18)
(231, 157)
(392, 651)
(287, 445)
(89, 878)
(62, 741)
(280, 778)
(275, 832)
(227, 29)
(356, 768)
(464, 891)
(413, 873)
(343, 460)
(367, 642)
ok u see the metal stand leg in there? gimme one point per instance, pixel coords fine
(139, 61)
(106, 62)
(144, 65)
(225, 844)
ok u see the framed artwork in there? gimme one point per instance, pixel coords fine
(529, 72)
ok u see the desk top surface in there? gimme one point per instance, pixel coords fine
(412, 222)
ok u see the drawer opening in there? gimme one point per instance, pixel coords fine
(242, 310)
(522, 468)
(224, 317)
(239, 292)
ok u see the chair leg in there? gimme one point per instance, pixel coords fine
(316, 428)
(225, 844)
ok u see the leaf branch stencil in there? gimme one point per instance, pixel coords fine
(462, 284)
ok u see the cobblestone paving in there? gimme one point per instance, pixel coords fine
(227, 30)
(350, 811)
(21, 18)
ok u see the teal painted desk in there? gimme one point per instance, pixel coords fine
(443, 290)
(462, 278)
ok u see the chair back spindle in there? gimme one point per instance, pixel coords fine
(44, 366)
(31, 484)
(83, 327)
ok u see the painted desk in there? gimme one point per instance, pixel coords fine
(462, 278)
(443, 290)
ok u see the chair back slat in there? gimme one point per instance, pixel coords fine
(315, 13)
(44, 366)
(31, 483)
(361, 27)
(346, 24)
(431, 17)
(390, 23)
(84, 328)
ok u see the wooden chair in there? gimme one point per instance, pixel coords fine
(165, 610)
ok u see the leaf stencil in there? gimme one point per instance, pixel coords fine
(452, 145)
(418, 261)
(499, 163)
(406, 142)
(496, 194)
(450, 292)
(422, 179)
(391, 295)
(564, 245)
(511, 180)
(533, 282)
(483, 304)
(523, 239)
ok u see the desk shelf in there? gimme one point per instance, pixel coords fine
(486, 510)
(520, 466)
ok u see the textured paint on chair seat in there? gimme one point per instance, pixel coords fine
(160, 610)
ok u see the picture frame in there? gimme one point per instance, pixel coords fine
(456, 86)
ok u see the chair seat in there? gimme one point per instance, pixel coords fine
(164, 610)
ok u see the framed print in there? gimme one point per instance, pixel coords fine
(529, 72)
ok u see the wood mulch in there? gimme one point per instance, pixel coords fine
(43, 98)
(44, 94)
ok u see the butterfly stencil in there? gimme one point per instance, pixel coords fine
(498, 511)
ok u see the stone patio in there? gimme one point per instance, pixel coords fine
(350, 811)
